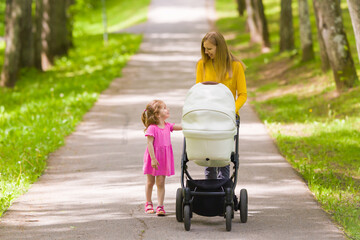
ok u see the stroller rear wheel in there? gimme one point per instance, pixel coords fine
(243, 205)
(179, 205)
(228, 214)
(187, 220)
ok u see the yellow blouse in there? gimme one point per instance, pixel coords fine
(236, 84)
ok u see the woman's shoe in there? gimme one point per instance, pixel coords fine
(149, 207)
(160, 211)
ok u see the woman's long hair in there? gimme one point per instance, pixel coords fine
(223, 57)
(151, 113)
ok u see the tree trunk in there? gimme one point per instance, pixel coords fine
(286, 26)
(255, 34)
(60, 26)
(14, 11)
(54, 33)
(325, 64)
(26, 37)
(47, 56)
(241, 6)
(262, 23)
(354, 9)
(37, 34)
(305, 32)
(336, 44)
(257, 24)
(70, 21)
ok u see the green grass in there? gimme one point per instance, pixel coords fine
(315, 128)
(120, 15)
(44, 108)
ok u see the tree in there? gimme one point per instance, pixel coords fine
(37, 34)
(241, 6)
(70, 22)
(13, 17)
(28, 44)
(286, 26)
(336, 43)
(26, 37)
(257, 23)
(261, 19)
(305, 32)
(354, 9)
(255, 36)
(54, 31)
(325, 64)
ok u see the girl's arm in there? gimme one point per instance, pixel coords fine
(150, 145)
(177, 127)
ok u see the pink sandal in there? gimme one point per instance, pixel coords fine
(149, 207)
(160, 211)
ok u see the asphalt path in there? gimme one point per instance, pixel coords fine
(93, 187)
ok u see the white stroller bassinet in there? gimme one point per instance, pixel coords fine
(209, 124)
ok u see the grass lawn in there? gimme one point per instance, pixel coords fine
(44, 108)
(316, 129)
(120, 15)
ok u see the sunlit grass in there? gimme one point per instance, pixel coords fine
(120, 15)
(315, 128)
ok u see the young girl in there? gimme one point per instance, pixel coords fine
(158, 157)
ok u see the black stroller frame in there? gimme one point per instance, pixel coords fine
(211, 197)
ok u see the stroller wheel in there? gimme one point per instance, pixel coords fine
(228, 213)
(187, 220)
(179, 205)
(243, 205)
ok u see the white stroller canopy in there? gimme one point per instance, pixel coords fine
(209, 110)
(209, 125)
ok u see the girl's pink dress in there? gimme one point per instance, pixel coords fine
(163, 151)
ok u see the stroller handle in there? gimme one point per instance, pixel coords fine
(210, 83)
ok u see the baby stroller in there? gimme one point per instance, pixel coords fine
(211, 135)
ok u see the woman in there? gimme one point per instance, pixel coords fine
(218, 64)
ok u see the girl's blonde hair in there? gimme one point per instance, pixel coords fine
(151, 113)
(223, 57)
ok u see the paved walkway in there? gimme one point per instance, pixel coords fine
(94, 187)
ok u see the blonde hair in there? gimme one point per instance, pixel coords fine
(223, 57)
(151, 113)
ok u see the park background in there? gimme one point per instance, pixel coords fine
(315, 125)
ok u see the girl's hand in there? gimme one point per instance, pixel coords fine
(154, 163)
(177, 127)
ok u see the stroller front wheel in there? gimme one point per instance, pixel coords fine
(179, 205)
(243, 205)
(228, 214)
(187, 220)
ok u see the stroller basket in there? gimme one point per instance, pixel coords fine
(209, 205)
